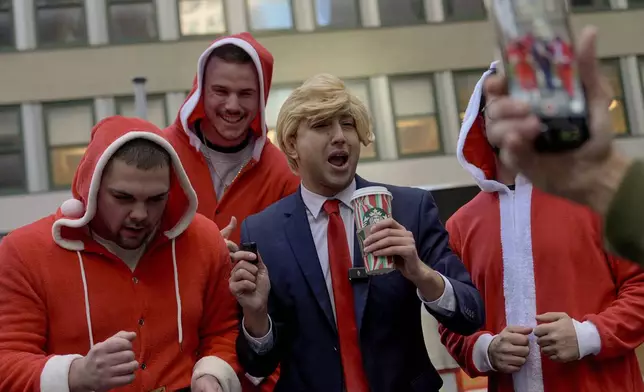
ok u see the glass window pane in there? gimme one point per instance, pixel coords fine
(337, 13)
(69, 124)
(6, 29)
(61, 25)
(132, 22)
(64, 161)
(10, 130)
(412, 96)
(270, 14)
(464, 9)
(618, 117)
(276, 99)
(202, 17)
(464, 83)
(401, 12)
(156, 110)
(417, 135)
(612, 71)
(12, 175)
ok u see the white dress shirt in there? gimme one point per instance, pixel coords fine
(318, 222)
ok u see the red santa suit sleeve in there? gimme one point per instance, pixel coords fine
(219, 324)
(620, 325)
(469, 351)
(23, 328)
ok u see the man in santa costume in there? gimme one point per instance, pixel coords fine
(125, 287)
(561, 313)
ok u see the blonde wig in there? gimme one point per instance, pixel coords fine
(318, 99)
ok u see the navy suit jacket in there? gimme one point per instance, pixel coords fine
(387, 308)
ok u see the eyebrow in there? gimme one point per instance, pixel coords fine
(116, 192)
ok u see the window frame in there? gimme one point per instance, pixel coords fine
(621, 99)
(12, 25)
(260, 32)
(129, 41)
(452, 18)
(201, 36)
(120, 99)
(319, 27)
(21, 150)
(441, 142)
(369, 105)
(82, 43)
(455, 75)
(46, 108)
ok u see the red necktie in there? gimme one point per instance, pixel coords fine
(340, 261)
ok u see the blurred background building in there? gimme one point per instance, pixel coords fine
(65, 64)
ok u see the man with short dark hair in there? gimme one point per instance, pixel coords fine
(221, 136)
(124, 288)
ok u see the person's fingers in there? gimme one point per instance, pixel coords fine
(242, 287)
(240, 256)
(232, 247)
(524, 130)
(517, 339)
(495, 86)
(504, 108)
(124, 369)
(120, 357)
(242, 274)
(227, 231)
(589, 68)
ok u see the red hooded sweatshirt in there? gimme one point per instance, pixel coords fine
(265, 179)
(61, 292)
(531, 253)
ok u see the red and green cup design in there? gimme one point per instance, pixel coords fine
(370, 206)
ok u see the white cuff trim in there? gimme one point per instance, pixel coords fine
(446, 303)
(260, 345)
(588, 339)
(55, 374)
(255, 380)
(480, 355)
(220, 369)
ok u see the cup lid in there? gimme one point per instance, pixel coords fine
(370, 190)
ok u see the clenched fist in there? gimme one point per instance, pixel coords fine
(509, 349)
(557, 337)
(108, 365)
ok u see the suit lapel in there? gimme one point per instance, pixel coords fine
(360, 287)
(298, 232)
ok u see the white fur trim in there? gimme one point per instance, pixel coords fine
(220, 369)
(193, 100)
(72, 208)
(90, 208)
(480, 355)
(471, 114)
(518, 277)
(55, 374)
(588, 338)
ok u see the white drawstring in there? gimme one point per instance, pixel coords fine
(176, 289)
(89, 318)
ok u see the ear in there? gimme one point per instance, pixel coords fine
(290, 149)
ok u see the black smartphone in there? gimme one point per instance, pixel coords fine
(250, 247)
(541, 67)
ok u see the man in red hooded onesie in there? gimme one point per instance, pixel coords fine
(220, 135)
(561, 314)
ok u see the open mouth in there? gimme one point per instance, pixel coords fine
(338, 158)
(133, 230)
(232, 118)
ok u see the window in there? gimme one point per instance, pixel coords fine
(270, 14)
(415, 113)
(464, 83)
(612, 71)
(6, 24)
(464, 9)
(60, 22)
(202, 17)
(337, 13)
(132, 20)
(12, 161)
(586, 4)
(360, 87)
(401, 12)
(157, 113)
(276, 99)
(68, 126)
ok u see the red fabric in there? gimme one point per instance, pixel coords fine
(261, 183)
(42, 305)
(573, 274)
(340, 262)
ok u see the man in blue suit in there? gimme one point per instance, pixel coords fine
(329, 333)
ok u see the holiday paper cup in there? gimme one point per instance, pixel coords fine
(371, 205)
